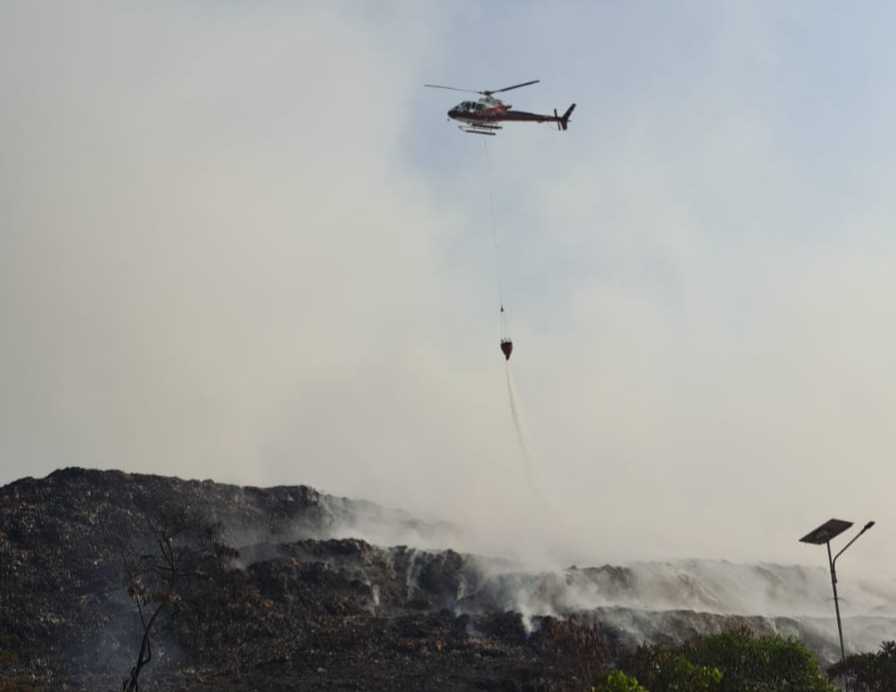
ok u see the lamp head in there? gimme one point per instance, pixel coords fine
(867, 526)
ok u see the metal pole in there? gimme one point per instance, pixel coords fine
(836, 602)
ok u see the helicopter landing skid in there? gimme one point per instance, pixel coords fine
(481, 129)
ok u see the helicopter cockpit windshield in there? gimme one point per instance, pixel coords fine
(470, 106)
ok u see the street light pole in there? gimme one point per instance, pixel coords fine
(836, 602)
(824, 534)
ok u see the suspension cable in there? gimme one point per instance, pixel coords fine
(494, 222)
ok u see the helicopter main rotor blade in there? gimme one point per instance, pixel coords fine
(515, 86)
(439, 86)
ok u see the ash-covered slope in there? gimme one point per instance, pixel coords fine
(74, 496)
(262, 598)
(272, 592)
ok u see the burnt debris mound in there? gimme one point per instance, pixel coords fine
(110, 580)
(257, 595)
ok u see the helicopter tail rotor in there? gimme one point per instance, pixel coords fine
(563, 120)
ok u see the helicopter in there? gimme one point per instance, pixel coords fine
(481, 117)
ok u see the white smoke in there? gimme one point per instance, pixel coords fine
(701, 585)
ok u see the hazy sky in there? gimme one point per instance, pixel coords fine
(240, 241)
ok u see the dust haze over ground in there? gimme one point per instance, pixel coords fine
(242, 242)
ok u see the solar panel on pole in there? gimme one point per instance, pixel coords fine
(827, 531)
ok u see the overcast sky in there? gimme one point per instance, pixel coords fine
(240, 241)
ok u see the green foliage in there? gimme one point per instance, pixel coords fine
(730, 662)
(760, 664)
(668, 670)
(869, 672)
(617, 681)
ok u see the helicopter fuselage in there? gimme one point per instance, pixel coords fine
(490, 111)
(482, 117)
(486, 112)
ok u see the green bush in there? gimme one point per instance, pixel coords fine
(669, 670)
(869, 672)
(730, 662)
(617, 681)
(757, 664)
